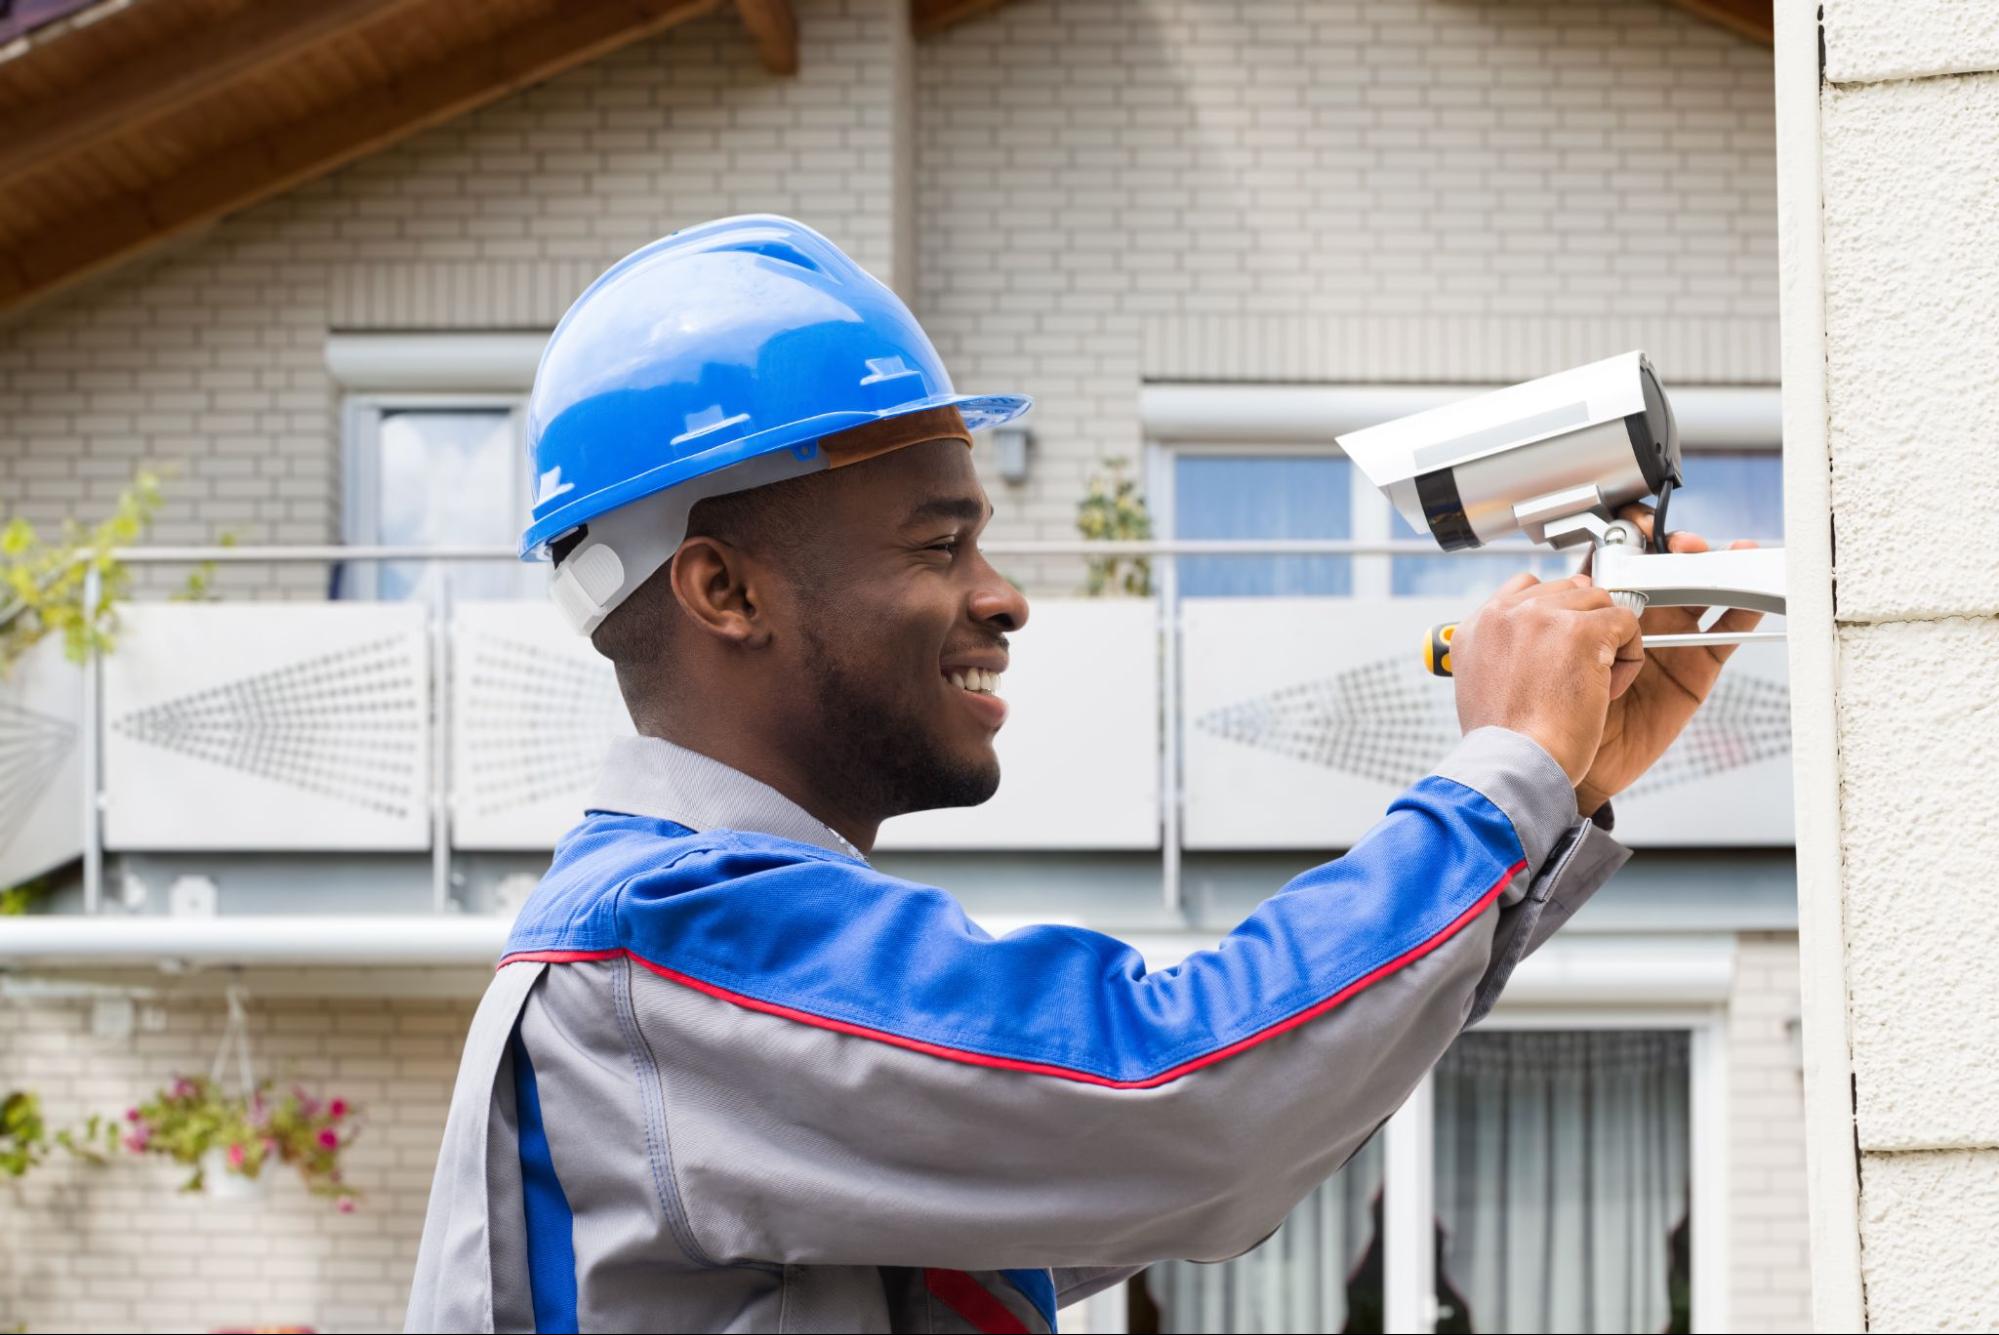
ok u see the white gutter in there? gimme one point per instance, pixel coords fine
(55, 940)
(1709, 417)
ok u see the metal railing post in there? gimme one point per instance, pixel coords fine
(1169, 725)
(93, 711)
(440, 741)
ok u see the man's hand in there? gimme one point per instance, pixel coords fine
(1668, 687)
(1546, 660)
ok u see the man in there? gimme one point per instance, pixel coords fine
(731, 1077)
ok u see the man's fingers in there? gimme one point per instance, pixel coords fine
(1575, 591)
(1685, 542)
(1639, 514)
(1620, 633)
(1514, 587)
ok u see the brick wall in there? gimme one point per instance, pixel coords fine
(1094, 175)
(1770, 1273)
(118, 1248)
(210, 360)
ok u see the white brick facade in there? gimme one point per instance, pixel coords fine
(1461, 184)
(1768, 1242)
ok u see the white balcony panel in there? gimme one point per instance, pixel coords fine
(1305, 717)
(1079, 755)
(268, 726)
(533, 708)
(41, 763)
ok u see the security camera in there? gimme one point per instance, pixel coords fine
(1532, 458)
(1555, 459)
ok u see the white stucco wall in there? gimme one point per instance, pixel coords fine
(1892, 278)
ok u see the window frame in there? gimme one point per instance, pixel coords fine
(361, 416)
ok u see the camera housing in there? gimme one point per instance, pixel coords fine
(1526, 458)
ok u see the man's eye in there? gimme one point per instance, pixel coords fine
(946, 545)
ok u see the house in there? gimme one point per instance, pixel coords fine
(303, 258)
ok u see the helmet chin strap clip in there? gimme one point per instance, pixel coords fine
(622, 548)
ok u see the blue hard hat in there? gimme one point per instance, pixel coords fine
(713, 347)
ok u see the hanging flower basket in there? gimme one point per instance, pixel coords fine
(229, 1139)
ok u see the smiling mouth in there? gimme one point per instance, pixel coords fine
(976, 680)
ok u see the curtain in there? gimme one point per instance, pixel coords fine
(1296, 1280)
(1561, 1174)
(1263, 496)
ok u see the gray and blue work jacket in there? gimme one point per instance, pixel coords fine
(731, 1077)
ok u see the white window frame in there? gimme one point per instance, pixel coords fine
(360, 434)
(1409, 1278)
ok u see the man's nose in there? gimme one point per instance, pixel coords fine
(997, 603)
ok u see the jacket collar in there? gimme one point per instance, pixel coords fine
(650, 776)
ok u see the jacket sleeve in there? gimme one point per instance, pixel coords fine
(847, 1071)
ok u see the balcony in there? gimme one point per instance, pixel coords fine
(451, 729)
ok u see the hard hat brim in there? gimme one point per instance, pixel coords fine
(979, 411)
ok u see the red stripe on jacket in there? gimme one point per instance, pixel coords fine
(1284, 1025)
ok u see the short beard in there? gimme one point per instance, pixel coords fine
(880, 755)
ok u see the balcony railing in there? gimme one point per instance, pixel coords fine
(1139, 723)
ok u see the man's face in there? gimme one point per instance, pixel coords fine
(897, 618)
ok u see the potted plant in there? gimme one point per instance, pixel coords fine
(229, 1139)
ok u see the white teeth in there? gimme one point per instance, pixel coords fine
(976, 679)
(958, 680)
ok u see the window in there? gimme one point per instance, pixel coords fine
(1254, 495)
(1561, 1164)
(1562, 1181)
(431, 472)
(1276, 492)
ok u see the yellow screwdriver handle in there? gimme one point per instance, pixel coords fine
(1437, 649)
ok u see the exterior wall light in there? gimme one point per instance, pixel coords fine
(1011, 443)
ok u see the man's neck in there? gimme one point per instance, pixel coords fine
(776, 770)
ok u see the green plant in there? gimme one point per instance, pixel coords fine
(1114, 511)
(192, 1116)
(43, 580)
(25, 1138)
(16, 900)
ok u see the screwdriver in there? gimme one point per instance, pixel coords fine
(1437, 643)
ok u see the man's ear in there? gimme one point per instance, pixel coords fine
(716, 586)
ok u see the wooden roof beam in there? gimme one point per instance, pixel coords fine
(164, 80)
(114, 229)
(928, 16)
(1744, 18)
(774, 28)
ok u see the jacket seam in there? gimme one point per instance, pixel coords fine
(652, 1099)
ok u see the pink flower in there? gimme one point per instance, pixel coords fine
(345, 1205)
(137, 1141)
(337, 1109)
(182, 1087)
(235, 1156)
(328, 1139)
(131, 1114)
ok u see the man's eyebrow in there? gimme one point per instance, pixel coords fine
(966, 508)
